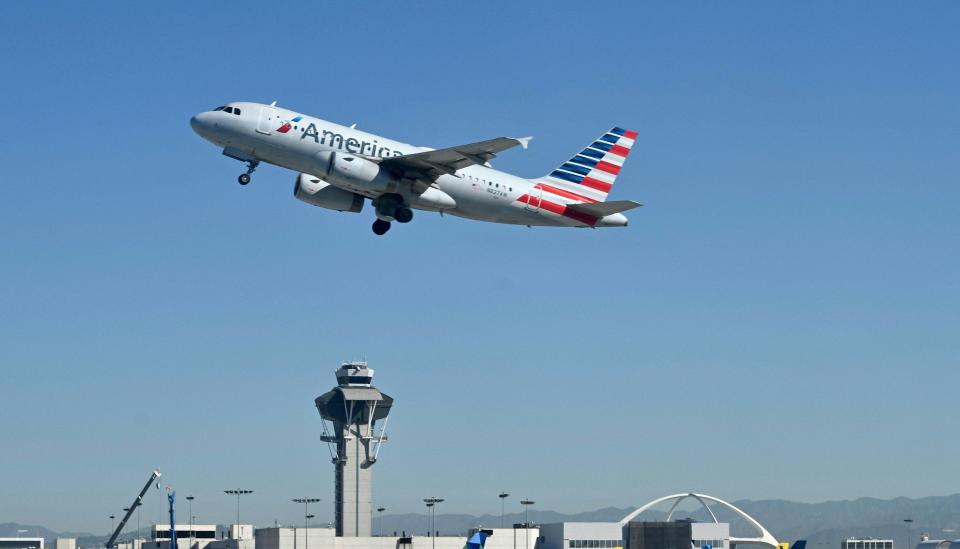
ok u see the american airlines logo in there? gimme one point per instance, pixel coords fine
(285, 127)
(338, 141)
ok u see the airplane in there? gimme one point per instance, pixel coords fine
(339, 167)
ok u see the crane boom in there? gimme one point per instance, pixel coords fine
(139, 501)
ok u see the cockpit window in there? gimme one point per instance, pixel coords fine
(236, 111)
(229, 110)
(219, 109)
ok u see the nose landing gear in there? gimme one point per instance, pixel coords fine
(245, 177)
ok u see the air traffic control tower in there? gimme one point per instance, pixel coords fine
(353, 408)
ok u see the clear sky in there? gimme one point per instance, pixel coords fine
(781, 319)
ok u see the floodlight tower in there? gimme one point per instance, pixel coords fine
(353, 408)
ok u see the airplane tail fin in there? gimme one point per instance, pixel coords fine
(590, 174)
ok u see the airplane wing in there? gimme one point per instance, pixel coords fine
(600, 209)
(430, 165)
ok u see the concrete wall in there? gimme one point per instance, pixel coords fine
(558, 535)
(65, 543)
(353, 511)
(718, 534)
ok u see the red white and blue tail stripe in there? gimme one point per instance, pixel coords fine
(589, 176)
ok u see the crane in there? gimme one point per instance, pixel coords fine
(111, 543)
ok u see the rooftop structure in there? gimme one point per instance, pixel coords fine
(938, 544)
(764, 537)
(866, 543)
(21, 543)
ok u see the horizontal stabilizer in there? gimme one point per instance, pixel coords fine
(601, 209)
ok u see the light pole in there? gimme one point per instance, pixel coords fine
(908, 522)
(238, 492)
(306, 515)
(429, 518)
(503, 498)
(432, 504)
(111, 523)
(526, 518)
(381, 510)
(137, 543)
(190, 505)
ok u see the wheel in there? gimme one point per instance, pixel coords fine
(380, 227)
(244, 178)
(403, 215)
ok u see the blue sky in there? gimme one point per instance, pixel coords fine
(779, 321)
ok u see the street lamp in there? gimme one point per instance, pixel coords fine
(908, 522)
(381, 510)
(526, 518)
(429, 518)
(111, 523)
(238, 492)
(503, 498)
(306, 516)
(190, 502)
(432, 504)
(137, 544)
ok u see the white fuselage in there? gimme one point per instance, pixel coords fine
(260, 133)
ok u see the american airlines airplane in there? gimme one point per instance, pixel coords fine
(339, 167)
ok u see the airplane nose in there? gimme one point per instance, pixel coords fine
(201, 123)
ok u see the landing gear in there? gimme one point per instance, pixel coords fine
(380, 227)
(403, 215)
(245, 177)
(390, 207)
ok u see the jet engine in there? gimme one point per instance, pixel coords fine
(354, 172)
(313, 190)
(360, 175)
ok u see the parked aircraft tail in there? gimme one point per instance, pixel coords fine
(590, 174)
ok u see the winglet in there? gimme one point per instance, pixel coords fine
(524, 141)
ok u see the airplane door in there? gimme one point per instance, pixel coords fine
(268, 117)
(533, 202)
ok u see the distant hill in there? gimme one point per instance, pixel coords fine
(823, 525)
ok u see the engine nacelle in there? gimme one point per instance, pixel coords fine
(314, 190)
(353, 172)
